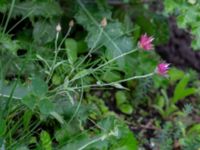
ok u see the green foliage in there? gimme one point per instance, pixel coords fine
(123, 103)
(74, 88)
(39, 87)
(44, 32)
(46, 106)
(187, 17)
(113, 37)
(181, 91)
(72, 48)
(45, 141)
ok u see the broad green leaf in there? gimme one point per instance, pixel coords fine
(126, 108)
(181, 91)
(87, 22)
(71, 47)
(37, 8)
(112, 37)
(46, 106)
(175, 74)
(30, 101)
(45, 140)
(39, 86)
(44, 32)
(128, 142)
(120, 98)
(118, 47)
(195, 129)
(6, 43)
(111, 76)
(170, 5)
(82, 47)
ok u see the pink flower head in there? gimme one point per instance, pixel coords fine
(162, 69)
(146, 42)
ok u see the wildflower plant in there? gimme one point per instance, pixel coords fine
(52, 78)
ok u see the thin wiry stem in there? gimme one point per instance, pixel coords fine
(79, 104)
(89, 53)
(9, 15)
(116, 82)
(106, 63)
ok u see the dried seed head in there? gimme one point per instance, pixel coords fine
(104, 22)
(71, 23)
(58, 28)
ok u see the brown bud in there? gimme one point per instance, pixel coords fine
(104, 22)
(71, 23)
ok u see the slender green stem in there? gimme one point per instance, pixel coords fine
(55, 57)
(91, 142)
(89, 53)
(101, 138)
(16, 24)
(116, 82)
(66, 35)
(57, 50)
(7, 96)
(9, 15)
(106, 63)
(79, 104)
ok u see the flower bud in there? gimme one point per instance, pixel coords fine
(71, 23)
(58, 28)
(162, 69)
(146, 42)
(104, 22)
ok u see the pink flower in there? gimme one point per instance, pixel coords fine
(146, 42)
(162, 69)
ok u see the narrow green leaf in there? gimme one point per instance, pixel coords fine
(2, 127)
